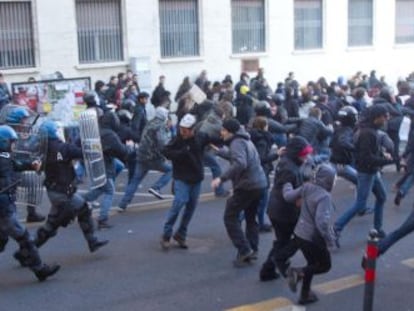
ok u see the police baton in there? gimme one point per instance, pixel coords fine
(369, 266)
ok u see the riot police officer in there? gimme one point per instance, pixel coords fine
(60, 183)
(16, 118)
(9, 224)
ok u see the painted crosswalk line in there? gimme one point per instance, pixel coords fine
(339, 284)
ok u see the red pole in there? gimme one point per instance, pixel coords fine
(369, 266)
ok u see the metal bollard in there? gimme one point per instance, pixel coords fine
(371, 258)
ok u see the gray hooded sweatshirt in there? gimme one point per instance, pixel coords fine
(245, 170)
(314, 222)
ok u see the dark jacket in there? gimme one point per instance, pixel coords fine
(342, 146)
(186, 156)
(158, 95)
(139, 120)
(9, 179)
(263, 142)
(287, 171)
(314, 130)
(245, 170)
(245, 110)
(368, 154)
(59, 170)
(112, 147)
(394, 111)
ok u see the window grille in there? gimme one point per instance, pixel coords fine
(248, 26)
(179, 28)
(16, 35)
(360, 21)
(404, 21)
(99, 31)
(308, 24)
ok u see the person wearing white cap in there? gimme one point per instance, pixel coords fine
(149, 157)
(186, 154)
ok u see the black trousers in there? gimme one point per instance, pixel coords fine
(245, 201)
(318, 261)
(285, 246)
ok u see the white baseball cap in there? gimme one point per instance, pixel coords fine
(188, 121)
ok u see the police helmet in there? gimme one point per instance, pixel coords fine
(49, 128)
(348, 116)
(7, 136)
(16, 115)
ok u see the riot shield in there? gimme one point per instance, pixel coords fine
(30, 146)
(92, 148)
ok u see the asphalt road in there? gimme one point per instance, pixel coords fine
(133, 273)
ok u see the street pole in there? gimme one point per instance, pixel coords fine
(369, 266)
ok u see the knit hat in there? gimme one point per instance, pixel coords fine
(231, 125)
(161, 113)
(188, 121)
(377, 110)
(298, 147)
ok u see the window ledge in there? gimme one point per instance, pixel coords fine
(249, 55)
(180, 60)
(15, 71)
(100, 65)
(368, 48)
(308, 52)
(403, 45)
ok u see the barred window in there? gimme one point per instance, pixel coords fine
(99, 31)
(308, 24)
(360, 22)
(179, 28)
(16, 35)
(248, 26)
(404, 21)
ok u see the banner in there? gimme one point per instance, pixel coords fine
(60, 100)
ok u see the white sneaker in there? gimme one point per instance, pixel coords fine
(156, 193)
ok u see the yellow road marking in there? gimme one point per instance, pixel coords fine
(268, 305)
(339, 284)
(408, 262)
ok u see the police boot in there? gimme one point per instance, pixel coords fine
(33, 216)
(45, 271)
(95, 244)
(21, 258)
(42, 236)
(27, 254)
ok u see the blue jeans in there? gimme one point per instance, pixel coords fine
(406, 184)
(366, 183)
(107, 191)
(211, 162)
(141, 170)
(392, 238)
(184, 195)
(262, 207)
(119, 167)
(347, 172)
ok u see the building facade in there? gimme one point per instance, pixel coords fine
(175, 38)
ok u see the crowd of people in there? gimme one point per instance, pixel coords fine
(284, 148)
